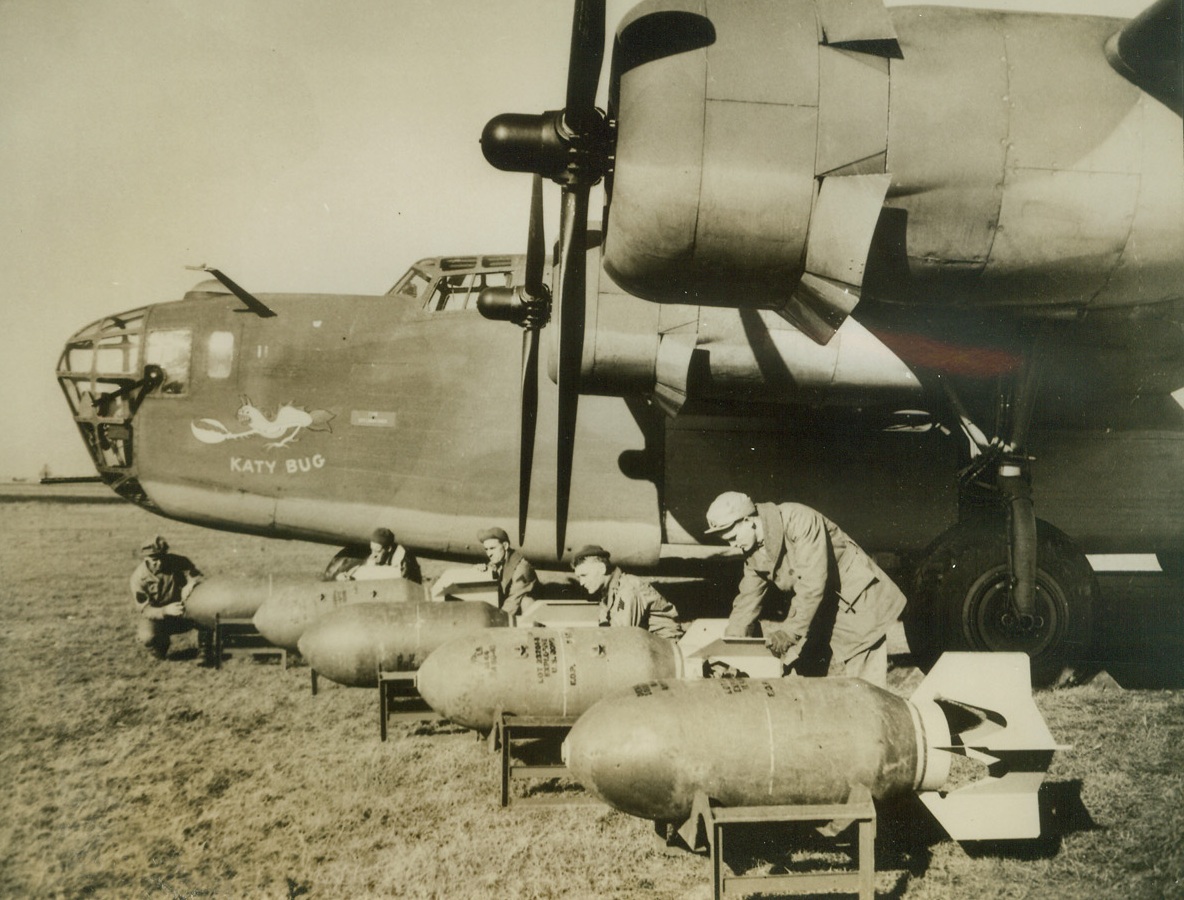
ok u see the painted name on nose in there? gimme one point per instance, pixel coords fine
(294, 466)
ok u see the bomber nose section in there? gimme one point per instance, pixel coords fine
(104, 377)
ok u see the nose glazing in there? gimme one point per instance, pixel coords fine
(104, 378)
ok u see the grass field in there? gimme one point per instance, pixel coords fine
(127, 778)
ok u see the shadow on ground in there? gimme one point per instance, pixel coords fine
(906, 836)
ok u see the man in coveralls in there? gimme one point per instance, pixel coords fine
(839, 595)
(624, 599)
(513, 574)
(387, 559)
(160, 585)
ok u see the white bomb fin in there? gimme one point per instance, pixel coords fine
(986, 701)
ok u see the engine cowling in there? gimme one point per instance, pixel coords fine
(760, 165)
(750, 154)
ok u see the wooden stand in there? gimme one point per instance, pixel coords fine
(510, 728)
(239, 636)
(398, 689)
(860, 880)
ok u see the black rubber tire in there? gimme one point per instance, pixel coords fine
(960, 600)
(1172, 564)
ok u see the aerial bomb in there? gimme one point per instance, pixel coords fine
(350, 644)
(761, 742)
(291, 608)
(540, 671)
(233, 597)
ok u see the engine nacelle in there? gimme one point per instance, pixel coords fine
(760, 165)
(750, 154)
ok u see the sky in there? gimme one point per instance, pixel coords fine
(297, 145)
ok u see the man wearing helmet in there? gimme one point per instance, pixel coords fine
(839, 595)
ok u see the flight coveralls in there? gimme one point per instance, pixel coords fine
(628, 600)
(516, 580)
(839, 595)
(152, 591)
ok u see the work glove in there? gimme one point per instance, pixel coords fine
(717, 669)
(779, 642)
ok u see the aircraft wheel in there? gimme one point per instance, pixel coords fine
(960, 600)
(1172, 564)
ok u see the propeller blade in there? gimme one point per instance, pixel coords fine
(572, 148)
(534, 289)
(530, 413)
(583, 73)
(535, 241)
(573, 240)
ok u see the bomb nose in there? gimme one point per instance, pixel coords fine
(274, 623)
(432, 680)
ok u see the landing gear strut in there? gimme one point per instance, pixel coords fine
(1002, 579)
(962, 599)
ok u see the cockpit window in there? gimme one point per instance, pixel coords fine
(456, 292)
(220, 354)
(171, 350)
(449, 284)
(413, 284)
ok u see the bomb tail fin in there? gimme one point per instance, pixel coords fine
(990, 717)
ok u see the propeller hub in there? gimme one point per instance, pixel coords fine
(548, 145)
(504, 304)
(520, 142)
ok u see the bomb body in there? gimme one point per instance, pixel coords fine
(789, 741)
(293, 606)
(540, 671)
(233, 597)
(744, 742)
(350, 644)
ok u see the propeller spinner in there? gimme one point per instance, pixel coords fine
(571, 147)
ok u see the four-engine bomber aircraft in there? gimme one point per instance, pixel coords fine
(921, 268)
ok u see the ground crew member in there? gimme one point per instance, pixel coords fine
(387, 559)
(513, 574)
(160, 585)
(839, 595)
(624, 599)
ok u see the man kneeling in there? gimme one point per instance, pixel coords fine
(160, 585)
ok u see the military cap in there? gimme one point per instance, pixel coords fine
(493, 534)
(383, 536)
(591, 551)
(727, 509)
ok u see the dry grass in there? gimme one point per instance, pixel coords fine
(128, 778)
